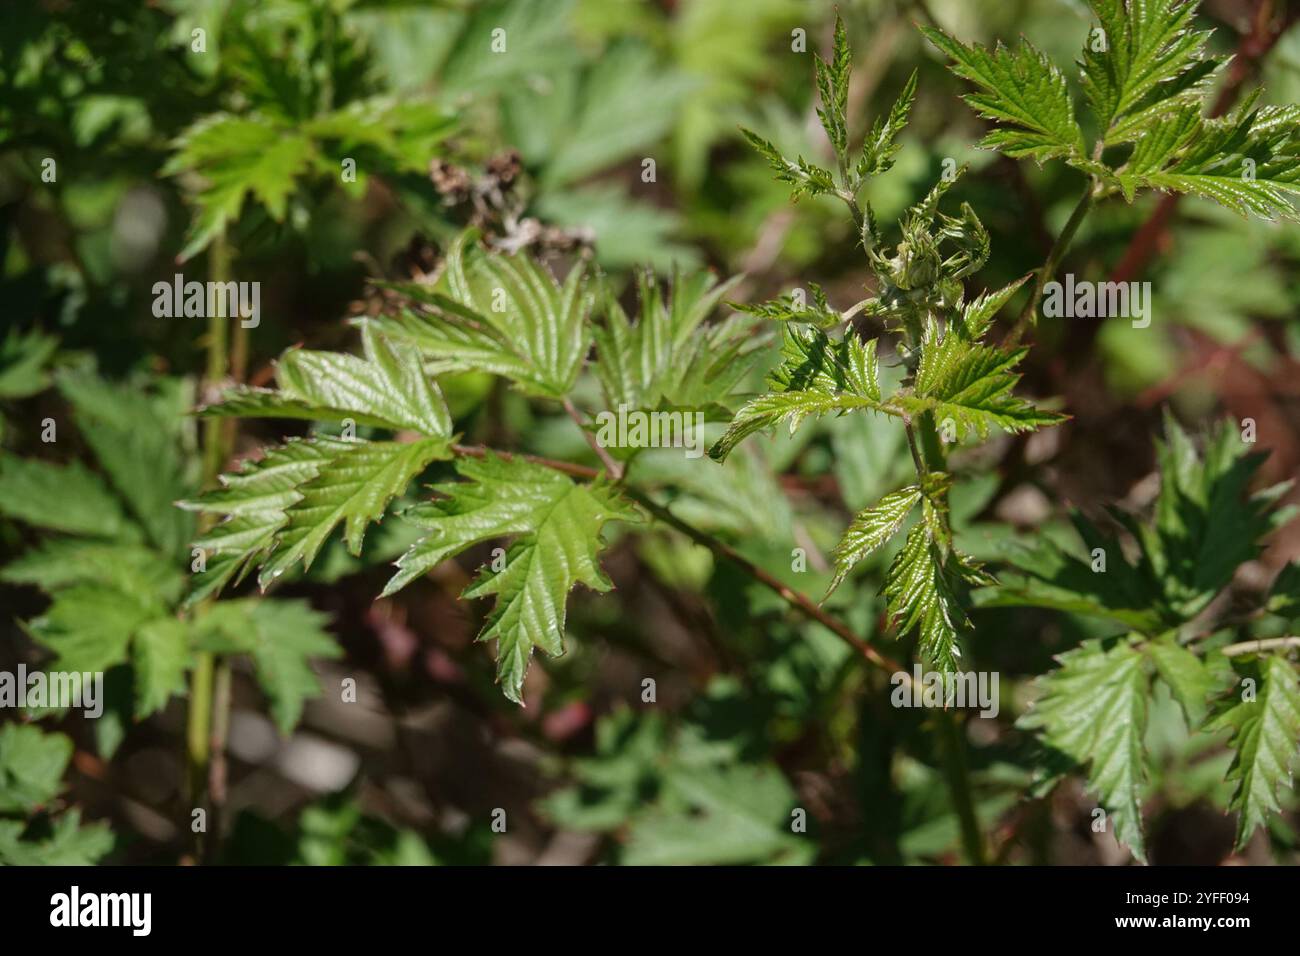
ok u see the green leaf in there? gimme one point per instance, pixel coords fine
(871, 529)
(1151, 64)
(808, 179)
(282, 512)
(881, 144)
(1094, 710)
(1248, 162)
(978, 314)
(31, 767)
(237, 156)
(65, 498)
(833, 89)
(137, 431)
(788, 308)
(1186, 675)
(503, 314)
(253, 505)
(558, 525)
(281, 636)
(23, 361)
(1047, 575)
(924, 588)
(818, 376)
(161, 657)
(1265, 736)
(387, 388)
(67, 844)
(669, 357)
(538, 41)
(90, 626)
(1022, 90)
(353, 485)
(610, 117)
(135, 570)
(1207, 523)
(611, 785)
(627, 232)
(971, 384)
(723, 815)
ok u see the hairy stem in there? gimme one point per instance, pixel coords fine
(1260, 645)
(220, 733)
(1048, 269)
(612, 467)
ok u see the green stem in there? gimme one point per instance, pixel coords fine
(1048, 269)
(218, 362)
(197, 739)
(953, 752)
(216, 448)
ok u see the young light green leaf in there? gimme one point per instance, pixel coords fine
(818, 375)
(833, 89)
(978, 314)
(558, 524)
(971, 384)
(1146, 63)
(807, 179)
(386, 388)
(253, 505)
(503, 314)
(353, 485)
(1248, 162)
(922, 591)
(1022, 90)
(871, 529)
(881, 144)
(669, 357)
(792, 308)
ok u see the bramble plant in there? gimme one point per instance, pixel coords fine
(1146, 78)
(957, 384)
(517, 431)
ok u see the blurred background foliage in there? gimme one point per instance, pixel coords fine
(608, 126)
